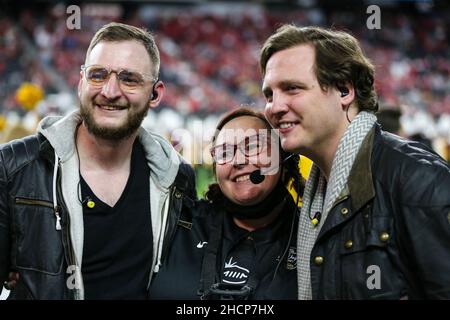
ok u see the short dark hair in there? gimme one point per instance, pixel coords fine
(339, 59)
(115, 31)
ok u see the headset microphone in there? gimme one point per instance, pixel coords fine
(256, 177)
(154, 95)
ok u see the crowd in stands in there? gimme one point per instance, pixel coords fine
(210, 53)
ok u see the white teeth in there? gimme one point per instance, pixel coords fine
(286, 125)
(111, 107)
(243, 178)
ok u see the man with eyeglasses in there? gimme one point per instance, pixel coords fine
(87, 203)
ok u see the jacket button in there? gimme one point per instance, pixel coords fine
(177, 194)
(348, 244)
(318, 260)
(384, 236)
(344, 211)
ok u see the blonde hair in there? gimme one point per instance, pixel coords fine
(115, 31)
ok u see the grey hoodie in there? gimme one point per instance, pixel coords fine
(162, 159)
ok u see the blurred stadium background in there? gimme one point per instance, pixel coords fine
(209, 53)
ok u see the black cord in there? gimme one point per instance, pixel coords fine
(346, 113)
(79, 176)
(290, 233)
(299, 181)
(79, 193)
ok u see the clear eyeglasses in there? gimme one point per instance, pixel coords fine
(250, 146)
(129, 80)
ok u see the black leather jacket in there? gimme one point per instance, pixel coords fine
(29, 241)
(388, 235)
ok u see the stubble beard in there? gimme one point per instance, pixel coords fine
(132, 123)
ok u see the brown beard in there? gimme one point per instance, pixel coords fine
(131, 125)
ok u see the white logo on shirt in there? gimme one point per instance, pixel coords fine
(201, 244)
(234, 273)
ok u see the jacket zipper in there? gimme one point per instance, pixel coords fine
(171, 233)
(63, 208)
(42, 203)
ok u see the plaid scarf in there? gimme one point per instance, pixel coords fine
(320, 196)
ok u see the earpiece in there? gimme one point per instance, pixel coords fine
(344, 91)
(154, 95)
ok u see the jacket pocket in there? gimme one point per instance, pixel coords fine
(37, 245)
(366, 268)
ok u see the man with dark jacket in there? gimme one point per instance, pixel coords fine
(87, 203)
(375, 221)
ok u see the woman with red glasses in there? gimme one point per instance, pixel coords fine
(240, 242)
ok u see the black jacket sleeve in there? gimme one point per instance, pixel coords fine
(4, 224)
(425, 220)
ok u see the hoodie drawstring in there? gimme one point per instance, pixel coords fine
(55, 203)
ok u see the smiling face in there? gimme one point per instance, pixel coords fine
(310, 120)
(107, 111)
(234, 177)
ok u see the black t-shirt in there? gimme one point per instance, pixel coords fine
(240, 254)
(118, 241)
(240, 262)
(255, 255)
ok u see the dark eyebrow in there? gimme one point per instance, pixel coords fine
(287, 83)
(283, 85)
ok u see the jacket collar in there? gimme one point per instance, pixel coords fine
(360, 182)
(45, 148)
(359, 189)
